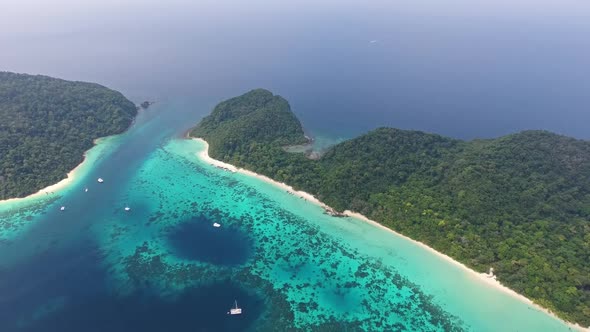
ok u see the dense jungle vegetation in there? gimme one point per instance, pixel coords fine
(46, 126)
(519, 203)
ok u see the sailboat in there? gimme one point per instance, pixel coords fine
(236, 310)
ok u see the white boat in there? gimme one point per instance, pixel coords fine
(127, 208)
(62, 208)
(100, 180)
(216, 224)
(86, 190)
(236, 310)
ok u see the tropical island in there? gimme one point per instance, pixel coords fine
(518, 203)
(48, 124)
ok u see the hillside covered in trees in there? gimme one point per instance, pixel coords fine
(47, 125)
(257, 115)
(519, 203)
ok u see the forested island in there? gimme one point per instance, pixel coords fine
(518, 203)
(47, 125)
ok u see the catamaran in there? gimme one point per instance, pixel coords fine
(236, 310)
(216, 225)
(100, 180)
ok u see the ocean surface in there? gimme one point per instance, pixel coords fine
(162, 266)
(457, 68)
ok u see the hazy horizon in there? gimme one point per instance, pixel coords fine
(458, 69)
(392, 232)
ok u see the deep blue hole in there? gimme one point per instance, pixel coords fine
(197, 239)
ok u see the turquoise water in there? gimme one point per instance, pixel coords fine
(163, 266)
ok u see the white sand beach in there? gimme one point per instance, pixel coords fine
(483, 277)
(64, 183)
(49, 190)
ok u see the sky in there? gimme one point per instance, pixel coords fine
(460, 68)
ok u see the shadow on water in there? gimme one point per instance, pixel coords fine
(197, 239)
(66, 291)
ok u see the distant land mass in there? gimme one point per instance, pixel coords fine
(47, 125)
(519, 203)
(146, 104)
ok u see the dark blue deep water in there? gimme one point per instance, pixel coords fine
(198, 309)
(196, 239)
(56, 277)
(66, 291)
(456, 68)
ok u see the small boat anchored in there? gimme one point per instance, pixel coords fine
(236, 310)
(100, 180)
(63, 208)
(86, 190)
(216, 225)
(127, 208)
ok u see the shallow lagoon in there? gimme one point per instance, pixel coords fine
(162, 265)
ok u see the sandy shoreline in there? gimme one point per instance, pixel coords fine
(49, 189)
(491, 282)
(54, 188)
(204, 155)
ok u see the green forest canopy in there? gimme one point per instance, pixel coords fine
(47, 125)
(519, 203)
